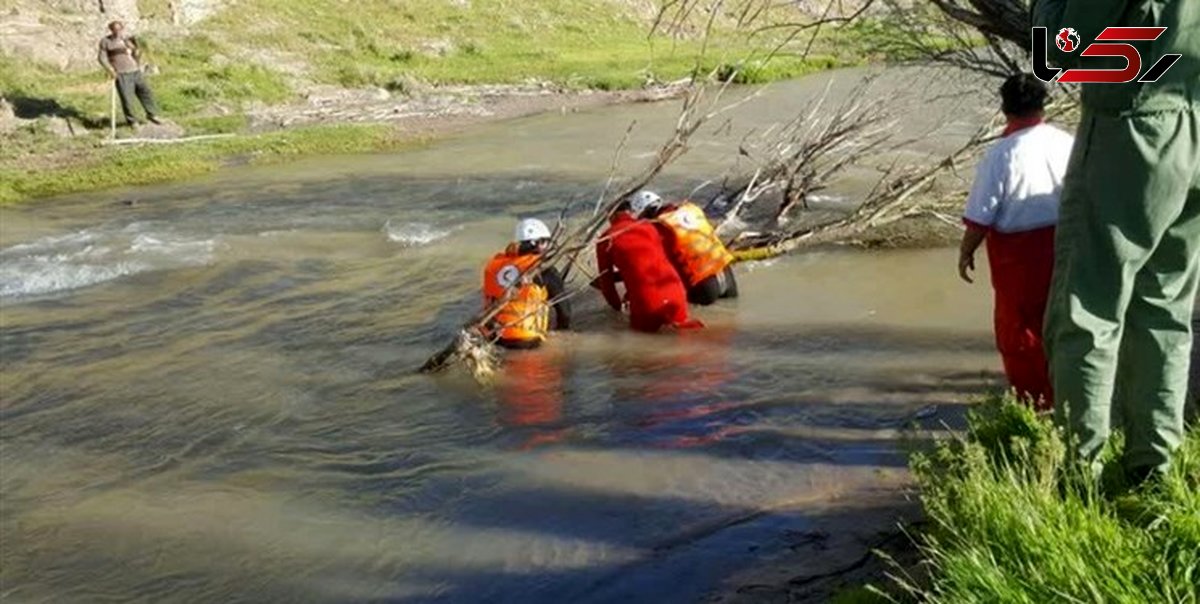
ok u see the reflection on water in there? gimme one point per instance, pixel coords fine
(208, 395)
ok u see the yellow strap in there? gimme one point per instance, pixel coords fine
(755, 253)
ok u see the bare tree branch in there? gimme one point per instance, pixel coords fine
(469, 344)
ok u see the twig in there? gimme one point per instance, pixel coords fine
(612, 170)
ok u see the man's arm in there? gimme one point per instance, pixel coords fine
(102, 57)
(988, 194)
(966, 251)
(135, 50)
(552, 280)
(605, 281)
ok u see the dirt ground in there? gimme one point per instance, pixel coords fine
(445, 109)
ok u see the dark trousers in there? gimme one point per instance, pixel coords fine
(134, 84)
(708, 291)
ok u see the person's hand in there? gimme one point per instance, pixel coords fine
(112, 74)
(966, 265)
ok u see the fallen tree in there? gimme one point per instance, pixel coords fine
(894, 197)
(789, 162)
(471, 344)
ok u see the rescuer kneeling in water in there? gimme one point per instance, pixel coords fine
(692, 246)
(655, 293)
(527, 297)
(1014, 207)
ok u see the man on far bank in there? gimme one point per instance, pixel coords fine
(119, 55)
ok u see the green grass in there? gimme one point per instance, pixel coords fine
(207, 80)
(577, 43)
(190, 85)
(112, 167)
(1013, 523)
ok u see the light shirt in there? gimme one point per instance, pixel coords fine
(1018, 183)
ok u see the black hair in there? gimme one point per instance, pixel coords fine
(1023, 95)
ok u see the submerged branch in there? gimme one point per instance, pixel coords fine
(470, 344)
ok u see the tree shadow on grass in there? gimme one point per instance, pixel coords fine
(31, 108)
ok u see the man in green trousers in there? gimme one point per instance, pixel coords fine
(1118, 323)
(120, 55)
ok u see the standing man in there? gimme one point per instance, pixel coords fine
(119, 55)
(1014, 207)
(1127, 261)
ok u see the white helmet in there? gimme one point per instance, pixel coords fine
(531, 229)
(644, 200)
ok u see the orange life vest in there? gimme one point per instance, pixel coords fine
(525, 315)
(697, 250)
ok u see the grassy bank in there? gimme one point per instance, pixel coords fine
(269, 51)
(582, 43)
(256, 53)
(100, 168)
(1011, 523)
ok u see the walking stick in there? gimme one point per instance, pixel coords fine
(112, 111)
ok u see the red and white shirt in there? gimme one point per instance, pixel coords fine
(1018, 182)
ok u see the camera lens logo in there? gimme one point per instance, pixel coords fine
(1067, 39)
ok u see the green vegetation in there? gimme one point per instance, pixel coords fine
(580, 43)
(267, 52)
(113, 166)
(1013, 523)
(234, 59)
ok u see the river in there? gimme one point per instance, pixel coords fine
(209, 395)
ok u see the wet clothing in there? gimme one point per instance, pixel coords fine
(120, 55)
(720, 285)
(524, 320)
(1118, 326)
(697, 253)
(653, 289)
(1014, 200)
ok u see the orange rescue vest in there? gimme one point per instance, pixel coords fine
(525, 315)
(697, 250)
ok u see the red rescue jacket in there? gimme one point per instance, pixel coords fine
(652, 285)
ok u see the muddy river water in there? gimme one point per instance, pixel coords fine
(208, 389)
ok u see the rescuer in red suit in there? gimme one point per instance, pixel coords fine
(632, 250)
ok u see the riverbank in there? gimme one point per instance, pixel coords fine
(993, 514)
(263, 73)
(338, 122)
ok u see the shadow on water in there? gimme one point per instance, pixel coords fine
(673, 572)
(250, 424)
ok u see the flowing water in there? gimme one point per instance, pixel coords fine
(208, 388)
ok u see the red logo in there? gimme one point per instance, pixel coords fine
(1108, 44)
(1067, 39)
